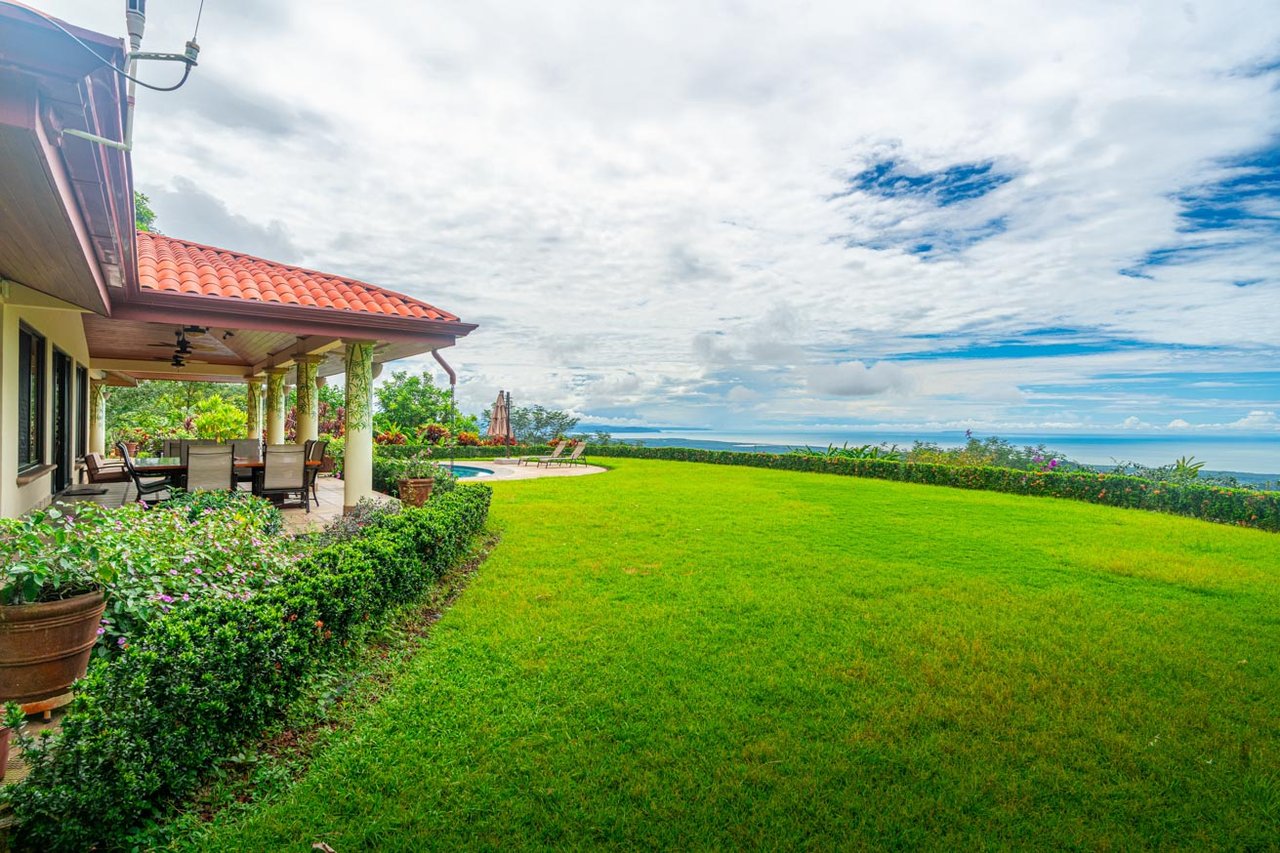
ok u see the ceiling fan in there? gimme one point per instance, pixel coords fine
(184, 344)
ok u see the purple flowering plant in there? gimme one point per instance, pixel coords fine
(149, 561)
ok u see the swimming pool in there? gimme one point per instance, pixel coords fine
(468, 472)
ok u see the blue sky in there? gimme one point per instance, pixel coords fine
(1030, 217)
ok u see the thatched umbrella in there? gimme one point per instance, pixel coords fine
(500, 419)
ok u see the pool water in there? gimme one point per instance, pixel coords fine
(468, 472)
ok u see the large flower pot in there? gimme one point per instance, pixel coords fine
(415, 491)
(45, 647)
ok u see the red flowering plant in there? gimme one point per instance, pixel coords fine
(391, 436)
(433, 433)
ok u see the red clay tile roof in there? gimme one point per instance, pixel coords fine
(167, 264)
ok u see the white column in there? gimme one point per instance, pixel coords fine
(98, 416)
(275, 404)
(308, 411)
(253, 407)
(357, 464)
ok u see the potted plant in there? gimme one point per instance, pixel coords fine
(51, 601)
(417, 476)
(134, 438)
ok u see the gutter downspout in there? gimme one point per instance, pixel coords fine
(453, 387)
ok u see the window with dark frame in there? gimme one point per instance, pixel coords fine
(31, 399)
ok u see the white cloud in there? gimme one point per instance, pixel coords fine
(614, 193)
(1178, 423)
(1257, 420)
(855, 379)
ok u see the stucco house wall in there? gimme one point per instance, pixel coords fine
(60, 325)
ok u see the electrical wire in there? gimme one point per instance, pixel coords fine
(126, 75)
(199, 15)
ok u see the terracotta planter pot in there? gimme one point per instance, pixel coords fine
(45, 647)
(416, 491)
(132, 447)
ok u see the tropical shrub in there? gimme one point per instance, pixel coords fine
(991, 451)
(391, 436)
(865, 451)
(147, 725)
(217, 419)
(366, 512)
(468, 439)
(433, 433)
(206, 545)
(147, 561)
(46, 559)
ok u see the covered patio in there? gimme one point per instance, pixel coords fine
(265, 325)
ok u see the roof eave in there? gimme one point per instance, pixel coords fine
(225, 312)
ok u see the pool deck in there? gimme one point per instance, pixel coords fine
(509, 470)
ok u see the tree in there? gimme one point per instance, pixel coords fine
(538, 425)
(143, 216)
(407, 401)
(217, 419)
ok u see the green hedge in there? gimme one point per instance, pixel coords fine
(145, 727)
(1211, 503)
(442, 454)
(1229, 506)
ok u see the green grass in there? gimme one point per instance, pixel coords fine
(697, 656)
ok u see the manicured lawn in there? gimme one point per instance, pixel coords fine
(693, 656)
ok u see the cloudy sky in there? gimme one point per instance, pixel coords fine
(1012, 216)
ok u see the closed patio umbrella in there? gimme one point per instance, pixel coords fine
(500, 419)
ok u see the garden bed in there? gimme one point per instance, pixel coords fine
(182, 682)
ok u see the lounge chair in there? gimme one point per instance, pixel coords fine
(99, 470)
(556, 449)
(574, 458)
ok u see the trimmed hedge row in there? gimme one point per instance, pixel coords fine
(146, 727)
(1210, 503)
(443, 454)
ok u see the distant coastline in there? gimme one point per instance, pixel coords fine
(1251, 459)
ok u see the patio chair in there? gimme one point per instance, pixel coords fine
(100, 470)
(149, 486)
(210, 469)
(250, 449)
(186, 444)
(285, 473)
(315, 450)
(574, 458)
(556, 449)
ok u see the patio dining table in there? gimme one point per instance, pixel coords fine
(156, 466)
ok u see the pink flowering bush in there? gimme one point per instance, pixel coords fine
(176, 553)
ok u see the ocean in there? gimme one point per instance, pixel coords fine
(1257, 457)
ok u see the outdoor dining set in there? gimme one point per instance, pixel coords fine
(276, 471)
